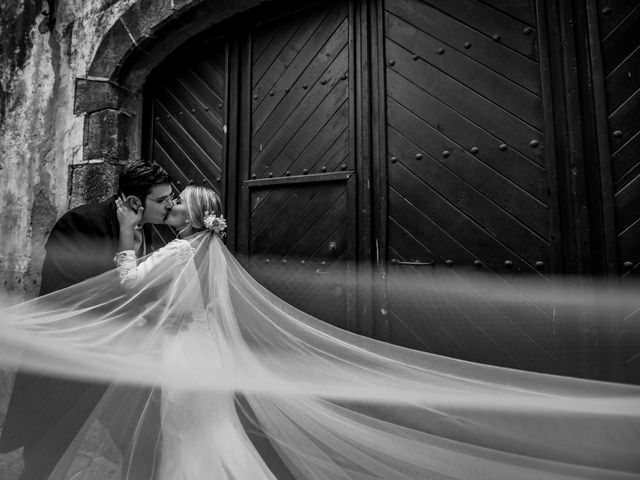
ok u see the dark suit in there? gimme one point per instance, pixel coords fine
(45, 414)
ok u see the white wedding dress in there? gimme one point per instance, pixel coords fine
(191, 323)
(201, 434)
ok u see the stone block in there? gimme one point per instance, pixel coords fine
(112, 50)
(144, 16)
(106, 135)
(94, 95)
(92, 182)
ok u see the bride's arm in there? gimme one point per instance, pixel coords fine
(162, 266)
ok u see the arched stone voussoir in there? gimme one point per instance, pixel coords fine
(125, 35)
(110, 96)
(115, 46)
(150, 30)
(145, 17)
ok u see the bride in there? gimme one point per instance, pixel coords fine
(251, 388)
(201, 433)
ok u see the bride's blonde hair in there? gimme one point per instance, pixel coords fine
(200, 201)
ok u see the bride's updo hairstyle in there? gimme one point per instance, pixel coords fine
(200, 201)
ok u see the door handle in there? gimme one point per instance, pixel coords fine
(416, 263)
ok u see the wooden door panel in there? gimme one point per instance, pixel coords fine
(299, 245)
(294, 38)
(187, 100)
(619, 86)
(465, 117)
(524, 327)
(624, 163)
(436, 190)
(467, 180)
(612, 17)
(191, 142)
(177, 97)
(521, 9)
(302, 84)
(280, 151)
(623, 35)
(522, 173)
(497, 88)
(300, 216)
(619, 39)
(452, 34)
(302, 208)
(469, 328)
(620, 46)
(185, 111)
(307, 136)
(417, 136)
(483, 18)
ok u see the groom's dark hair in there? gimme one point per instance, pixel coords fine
(139, 177)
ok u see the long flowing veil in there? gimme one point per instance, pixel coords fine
(197, 371)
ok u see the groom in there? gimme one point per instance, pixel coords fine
(45, 414)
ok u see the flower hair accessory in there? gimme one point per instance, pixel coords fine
(215, 224)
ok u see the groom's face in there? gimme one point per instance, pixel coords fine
(157, 204)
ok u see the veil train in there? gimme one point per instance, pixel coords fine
(198, 364)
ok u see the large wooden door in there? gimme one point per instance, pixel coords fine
(468, 177)
(418, 136)
(298, 200)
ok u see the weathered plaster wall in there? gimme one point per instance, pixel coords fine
(40, 137)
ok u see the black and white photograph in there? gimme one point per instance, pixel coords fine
(319, 240)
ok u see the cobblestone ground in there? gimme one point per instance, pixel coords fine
(10, 463)
(87, 466)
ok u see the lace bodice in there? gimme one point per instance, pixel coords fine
(156, 266)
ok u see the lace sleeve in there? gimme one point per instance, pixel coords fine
(158, 267)
(126, 265)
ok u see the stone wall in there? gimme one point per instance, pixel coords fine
(41, 139)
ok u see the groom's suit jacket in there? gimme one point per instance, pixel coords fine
(81, 245)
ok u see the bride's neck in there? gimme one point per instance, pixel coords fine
(186, 231)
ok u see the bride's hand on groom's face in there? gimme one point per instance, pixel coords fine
(127, 216)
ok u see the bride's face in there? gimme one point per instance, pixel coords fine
(177, 215)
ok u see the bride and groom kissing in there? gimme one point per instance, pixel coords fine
(45, 414)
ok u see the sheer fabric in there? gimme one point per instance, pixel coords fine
(202, 364)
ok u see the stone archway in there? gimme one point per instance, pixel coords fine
(109, 96)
